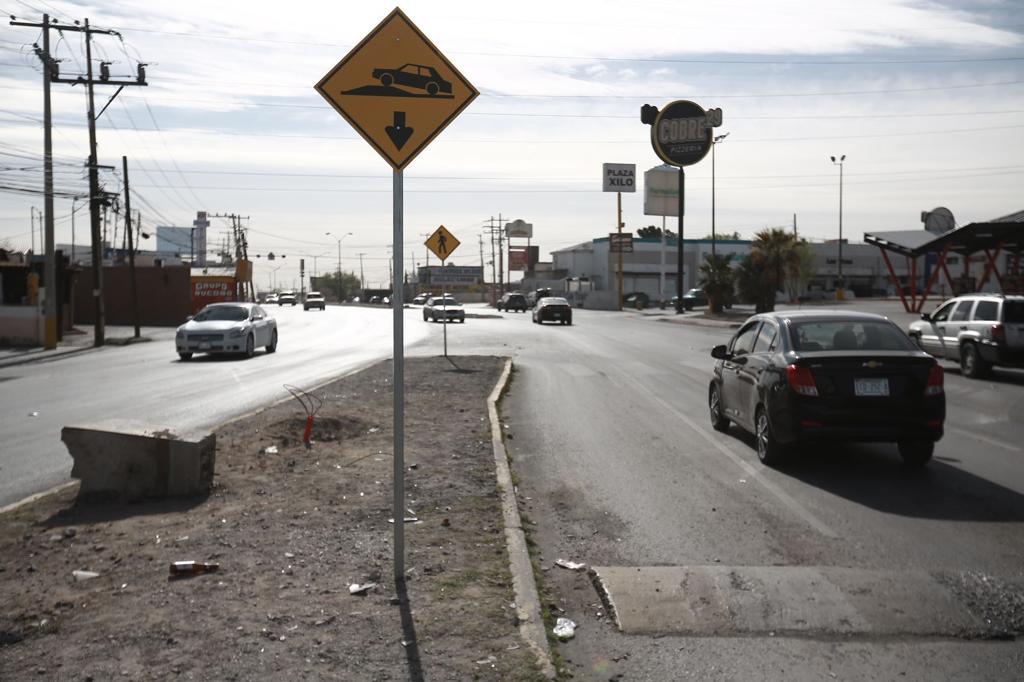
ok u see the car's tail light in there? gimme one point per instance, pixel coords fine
(998, 333)
(935, 379)
(801, 380)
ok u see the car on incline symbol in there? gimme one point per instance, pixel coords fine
(414, 76)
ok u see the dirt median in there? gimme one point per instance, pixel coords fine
(291, 530)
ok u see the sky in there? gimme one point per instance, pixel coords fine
(925, 100)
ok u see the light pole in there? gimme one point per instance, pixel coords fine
(339, 259)
(714, 143)
(839, 280)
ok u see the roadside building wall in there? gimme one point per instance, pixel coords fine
(165, 296)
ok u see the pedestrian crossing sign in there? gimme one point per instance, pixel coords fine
(442, 243)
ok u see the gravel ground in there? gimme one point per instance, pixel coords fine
(291, 531)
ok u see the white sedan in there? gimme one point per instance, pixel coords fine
(227, 328)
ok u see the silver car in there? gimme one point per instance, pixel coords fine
(978, 330)
(227, 328)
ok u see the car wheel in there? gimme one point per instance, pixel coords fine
(916, 453)
(250, 346)
(185, 356)
(769, 450)
(432, 89)
(386, 80)
(425, 318)
(272, 346)
(569, 322)
(971, 363)
(719, 422)
(462, 320)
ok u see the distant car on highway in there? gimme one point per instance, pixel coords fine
(694, 298)
(420, 299)
(271, 298)
(288, 297)
(536, 295)
(227, 328)
(513, 301)
(314, 299)
(978, 330)
(443, 309)
(827, 376)
(414, 76)
(552, 309)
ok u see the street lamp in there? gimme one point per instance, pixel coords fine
(714, 143)
(839, 281)
(339, 259)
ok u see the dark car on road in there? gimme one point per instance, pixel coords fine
(443, 309)
(827, 376)
(552, 309)
(513, 301)
(978, 330)
(536, 295)
(414, 76)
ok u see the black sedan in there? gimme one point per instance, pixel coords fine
(792, 377)
(552, 309)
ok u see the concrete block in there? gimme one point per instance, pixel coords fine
(135, 461)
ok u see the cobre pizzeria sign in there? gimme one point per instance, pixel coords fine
(682, 132)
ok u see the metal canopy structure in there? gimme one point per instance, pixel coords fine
(993, 238)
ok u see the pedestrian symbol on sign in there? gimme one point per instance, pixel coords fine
(442, 243)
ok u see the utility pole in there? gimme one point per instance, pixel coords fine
(131, 246)
(51, 75)
(362, 282)
(794, 227)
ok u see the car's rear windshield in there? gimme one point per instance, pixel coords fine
(1013, 311)
(844, 335)
(555, 301)
(222, 313)
(446, 301)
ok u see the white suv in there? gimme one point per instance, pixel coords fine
(978, 330)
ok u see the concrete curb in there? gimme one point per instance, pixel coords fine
(45, 356)
(55, 490)
(531, 622)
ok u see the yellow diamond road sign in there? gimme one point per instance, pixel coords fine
(397, 89)
(442, 243)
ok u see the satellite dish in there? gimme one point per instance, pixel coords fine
(938, 220)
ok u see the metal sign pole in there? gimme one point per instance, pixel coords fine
(618, 227)
(444, 298)
(399, 387)
(679, 243)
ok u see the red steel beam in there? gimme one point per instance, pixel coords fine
(931, 280)
(895, 279)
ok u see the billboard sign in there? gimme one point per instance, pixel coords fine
(619, 177)
(682, 132)
(519, 229)
(451, 274)
(211, 289)
(620, 243)
(518, 257)
(661, 191)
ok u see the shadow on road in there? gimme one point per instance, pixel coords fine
(873, 475)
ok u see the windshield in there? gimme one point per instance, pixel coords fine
(554, 301)
(222, 313)
(866, 335)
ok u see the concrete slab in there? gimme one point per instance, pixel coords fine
(740, 600)
(134, 460)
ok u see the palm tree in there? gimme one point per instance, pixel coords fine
(716, 278)
(773, 255)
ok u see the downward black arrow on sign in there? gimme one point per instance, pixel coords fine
(398, 132)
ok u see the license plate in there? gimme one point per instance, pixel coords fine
(556, 315)
(204, 346)
(871, 387)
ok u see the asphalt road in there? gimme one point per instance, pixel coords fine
(838, 564)
(146, 382)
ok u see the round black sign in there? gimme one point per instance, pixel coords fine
(682, 132)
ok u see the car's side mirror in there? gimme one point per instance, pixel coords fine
(188, 318)
(926, 317)
(720, 352)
